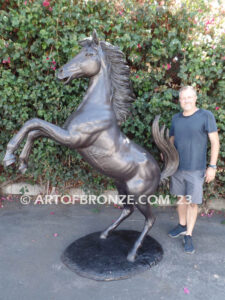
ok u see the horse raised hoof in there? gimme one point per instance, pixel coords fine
(131, 257)
(9, 159)
(23, 168)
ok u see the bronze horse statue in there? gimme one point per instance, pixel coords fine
(93, 130)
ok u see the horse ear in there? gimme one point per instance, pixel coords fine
(95, 37)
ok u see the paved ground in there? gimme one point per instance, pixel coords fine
(33, 238)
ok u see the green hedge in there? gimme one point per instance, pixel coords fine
(165, 46)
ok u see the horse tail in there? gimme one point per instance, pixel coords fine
(170, 154)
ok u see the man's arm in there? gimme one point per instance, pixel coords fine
(215, 146)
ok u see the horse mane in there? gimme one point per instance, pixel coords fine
(122, 91)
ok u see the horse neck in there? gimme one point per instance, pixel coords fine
(99, 90)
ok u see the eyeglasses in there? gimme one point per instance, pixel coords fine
(187, 98)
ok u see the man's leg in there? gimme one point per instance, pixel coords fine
(187, 213)
(182, 210)
(194, 188)
(177, 187)
(181, 228)
(192, 213)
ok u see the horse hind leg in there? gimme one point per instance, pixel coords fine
(126, 212)
(145, 209)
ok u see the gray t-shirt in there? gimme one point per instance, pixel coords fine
(191, 138)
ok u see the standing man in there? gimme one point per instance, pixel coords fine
(190, 130)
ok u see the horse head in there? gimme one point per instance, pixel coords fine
(96, 56)
(86, 63)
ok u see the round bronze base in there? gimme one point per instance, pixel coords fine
(106, 259)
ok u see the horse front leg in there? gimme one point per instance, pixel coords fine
(62, 136)
(24, 156)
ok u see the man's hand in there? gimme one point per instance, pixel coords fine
(210, 174)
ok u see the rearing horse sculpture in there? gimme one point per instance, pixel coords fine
(94, 132)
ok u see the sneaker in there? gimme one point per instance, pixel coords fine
(177, 231)
(188, 245)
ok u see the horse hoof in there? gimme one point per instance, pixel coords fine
(22, 168)
(8, 160)
(131, 257)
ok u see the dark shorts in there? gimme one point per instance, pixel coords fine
(189, 184)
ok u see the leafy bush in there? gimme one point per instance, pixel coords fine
(165, 46)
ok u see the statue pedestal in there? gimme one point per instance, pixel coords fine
(105, 259)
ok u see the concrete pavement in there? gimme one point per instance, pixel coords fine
(33, 238)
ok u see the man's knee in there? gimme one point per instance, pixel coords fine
(182, 200)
